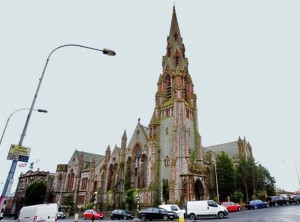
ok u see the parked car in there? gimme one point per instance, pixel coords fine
(156, 213)
(277, 200)
(231, 206)
(173, 207)
(61, 215)
(255, 204)
(97, 214)
(121, 214)
(294, 199)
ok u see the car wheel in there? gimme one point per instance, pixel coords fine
(239, 209)
(125, 218)
(143, 218)
(276, 204)
(192, 217)
(165, 217)
(255, 207)
(221, 215)
(84, 218)
(101, 218)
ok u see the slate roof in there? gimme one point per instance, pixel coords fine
(230, 148)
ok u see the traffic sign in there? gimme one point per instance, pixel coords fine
(19, 153)
(23, 158)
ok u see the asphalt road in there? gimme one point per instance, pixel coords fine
(289, 213)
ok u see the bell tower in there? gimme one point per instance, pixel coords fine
(174, 124)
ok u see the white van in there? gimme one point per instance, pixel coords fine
(174, 208)
(38, 213)
(203, 208)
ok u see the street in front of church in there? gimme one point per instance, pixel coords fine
(289, 213)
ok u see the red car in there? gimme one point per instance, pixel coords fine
(231, 206)
(97, 214)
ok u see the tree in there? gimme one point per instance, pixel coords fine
(265, 182)
(68, 201)
(226, 175)
(242, 176)
(254, 180)
(35, 193)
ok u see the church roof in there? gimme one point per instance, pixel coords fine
(88, 158)
(230, 148)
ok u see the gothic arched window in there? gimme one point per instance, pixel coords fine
(144, 164)
(110, 178)
(127, 184)
(169, 88)
(138, 153)
(177, 60)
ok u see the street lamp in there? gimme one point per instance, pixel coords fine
(38, 110)
(14, 162)
(216, 175)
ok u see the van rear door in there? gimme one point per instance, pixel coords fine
(27, 214)
(47, 212)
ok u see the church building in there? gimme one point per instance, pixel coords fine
(162, 162)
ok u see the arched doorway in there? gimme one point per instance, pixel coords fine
(199, 190)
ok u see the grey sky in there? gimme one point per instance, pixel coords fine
(244, 59)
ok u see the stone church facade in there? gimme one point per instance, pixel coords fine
(167, 152)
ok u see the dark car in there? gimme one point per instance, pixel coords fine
(156, 213)
(256, 204)
(294, 199)
(121, 214)
(61, 215)
(277, 200)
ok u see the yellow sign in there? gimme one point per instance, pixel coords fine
(19, 150)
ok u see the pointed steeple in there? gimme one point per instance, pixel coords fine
(124, 137)
(174, 30)
(175, 55)
(123, 146)
(124, 141)
(107, 154)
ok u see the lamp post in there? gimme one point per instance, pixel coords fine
(138, 201)
(38, 110)
(216, 176)
(14, 162)
(95, 201)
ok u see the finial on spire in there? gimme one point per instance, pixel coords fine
(173, 6)
(139, 119)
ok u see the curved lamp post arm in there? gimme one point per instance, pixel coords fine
(39, 110)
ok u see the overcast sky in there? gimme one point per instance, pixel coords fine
(244, 60)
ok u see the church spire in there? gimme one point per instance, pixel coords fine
(174, 30)
(175, 55)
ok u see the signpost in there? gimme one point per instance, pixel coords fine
(19, 153)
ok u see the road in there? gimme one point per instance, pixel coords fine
(273, 214)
